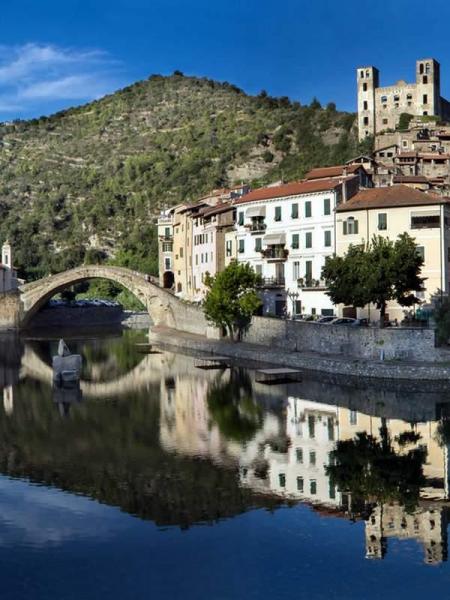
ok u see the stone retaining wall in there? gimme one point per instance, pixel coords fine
(350, 368)
(397, 343)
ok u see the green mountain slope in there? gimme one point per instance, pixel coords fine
(87, 183)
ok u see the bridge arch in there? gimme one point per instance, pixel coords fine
(163, 307)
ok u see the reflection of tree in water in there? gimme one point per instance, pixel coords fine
(232, 407)
(372, 471)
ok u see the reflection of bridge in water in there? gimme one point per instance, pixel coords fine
(146, 373)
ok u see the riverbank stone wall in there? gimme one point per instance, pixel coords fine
(390, 343)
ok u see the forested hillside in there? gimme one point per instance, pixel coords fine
(87, 183)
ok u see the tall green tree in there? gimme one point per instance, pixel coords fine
(232, 299)
(377, 273)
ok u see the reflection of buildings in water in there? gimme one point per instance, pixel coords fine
(427, 525)
(435, 468)
(187, 427)
(299, 470)
(8, 399)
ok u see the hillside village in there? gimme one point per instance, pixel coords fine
(286, 230)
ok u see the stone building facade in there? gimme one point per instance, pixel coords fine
(379, 108)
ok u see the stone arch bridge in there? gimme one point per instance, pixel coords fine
(164, 308)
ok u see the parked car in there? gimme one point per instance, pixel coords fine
(327, 319)
(348, 321)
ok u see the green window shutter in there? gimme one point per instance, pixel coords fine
(277, 213)
(356, 227)
(307, 208)
(327, 241)
(241, 246)
(294, 213)
(258, 244)
(295, 240)
(326, 206)
(308, 239)
(241, 218)
(344, 228)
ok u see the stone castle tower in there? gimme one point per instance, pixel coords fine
(379, 108)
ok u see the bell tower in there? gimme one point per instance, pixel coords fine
(7, 255)
(368, 80)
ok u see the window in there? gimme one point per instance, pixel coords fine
(308, 269)
(312, 458)
(421, 252)
(229, 247)
(282, 480)
(241, 218)
(332, 491)
(425, 99)
(241, 246)
(296, 270)
(365, 105)
(425, 220)
(294, 211)
(308, 208)
(308, 239)
(167, 263)
(295, 241)
(364, 87)
(258, 244)
(385, 121)
(330, 427)
(350, 226)
(383, 99)
(258, 269)
(362, 74)
(382, 221)
(421, 68)
(313, 487)
(166, 247)
(300, 484)
(277, 213)
(365, 120)
(298, 307)
(181, 252)
(167, 232)
(312, 426)
(327, 239)
(425, 79)
(196, 259)
(299, 455)
(326, 206)
(427, 68)
(353, 417)
(396, 98)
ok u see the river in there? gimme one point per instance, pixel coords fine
(157, 479)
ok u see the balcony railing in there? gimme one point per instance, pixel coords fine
(273, 282)
(275, 253)
(166, 238)
(309, 283)
(165, 220)
(256, 227)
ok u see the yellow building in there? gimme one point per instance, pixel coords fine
(389, 212)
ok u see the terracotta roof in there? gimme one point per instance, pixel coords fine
(219, 208)
(390, 197)
(433, 155)
(407, 155)
(410, 179)
(335, 171)
(289, 189)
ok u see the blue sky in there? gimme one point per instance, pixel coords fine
(55, 54)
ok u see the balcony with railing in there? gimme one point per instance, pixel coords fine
(271, 282)
(257, 225)
(273, 253)
(308, 283)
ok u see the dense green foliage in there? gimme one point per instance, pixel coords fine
(381, 271)
(372, 471)
(232, 299)
(86, 184)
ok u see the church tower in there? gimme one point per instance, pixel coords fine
(368, 80)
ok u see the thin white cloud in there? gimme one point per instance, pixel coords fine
(35, 75)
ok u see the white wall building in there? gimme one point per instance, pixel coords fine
(285, 232)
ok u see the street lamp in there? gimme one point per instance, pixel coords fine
(293, 296)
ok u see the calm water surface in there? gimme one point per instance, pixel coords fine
(156, 479)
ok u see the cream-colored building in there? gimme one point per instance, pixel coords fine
(389, 212)
(8, 274)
